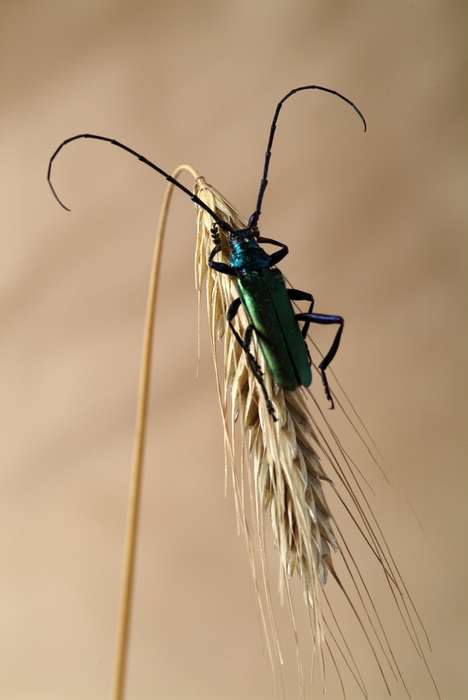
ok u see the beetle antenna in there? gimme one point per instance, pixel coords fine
(225, 226)
(264, 182)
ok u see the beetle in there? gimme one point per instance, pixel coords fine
(262, 288)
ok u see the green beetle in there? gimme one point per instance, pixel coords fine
(267, 301)
(262, 289)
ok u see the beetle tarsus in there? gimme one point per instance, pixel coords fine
(258, 374)
(245, 345)
(327, 389)
(215, 235)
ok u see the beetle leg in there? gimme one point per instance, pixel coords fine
(297, 295)
(220, 267)
(245, 345)
(215, 234)
(326, 320)
(280, 254)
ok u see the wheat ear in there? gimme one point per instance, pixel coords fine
(288, 479)
(287, 471)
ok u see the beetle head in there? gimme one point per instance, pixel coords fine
(242, 237)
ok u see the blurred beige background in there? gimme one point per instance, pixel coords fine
(375, 226)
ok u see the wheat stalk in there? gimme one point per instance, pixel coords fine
(288, 477)
(133, 511)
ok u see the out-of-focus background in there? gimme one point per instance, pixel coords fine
(375, 226)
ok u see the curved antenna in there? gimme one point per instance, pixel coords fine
(225, 226)
(264, 182)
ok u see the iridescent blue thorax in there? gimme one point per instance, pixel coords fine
(246, 254)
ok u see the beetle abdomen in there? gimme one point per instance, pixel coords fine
(264, 296)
